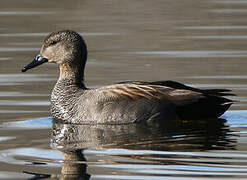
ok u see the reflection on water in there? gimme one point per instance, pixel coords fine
(174, 147)
(200, 43)
(167, 136)
(192, 149)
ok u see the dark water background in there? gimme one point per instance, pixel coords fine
(198, 42)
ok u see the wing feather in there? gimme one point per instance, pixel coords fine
(149, 91)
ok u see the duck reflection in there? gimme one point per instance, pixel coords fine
(172, 135)
(71, 139)
(74, 166)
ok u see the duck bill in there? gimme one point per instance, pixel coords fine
(38, 60)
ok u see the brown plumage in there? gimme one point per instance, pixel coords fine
(125, 102)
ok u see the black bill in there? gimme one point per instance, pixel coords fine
(38, 60)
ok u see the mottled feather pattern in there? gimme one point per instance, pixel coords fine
(136, 91)
(64, 99)
(107, 103)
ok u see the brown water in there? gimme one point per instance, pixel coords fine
(201, 43)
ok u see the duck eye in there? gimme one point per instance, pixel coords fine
(52, 42)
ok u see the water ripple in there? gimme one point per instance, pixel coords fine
(4, 58)
(6, 138)
(230, 1)
(23, 103)
(19, 94)
(17, 49)
(24, 35)
(228, 10)
(38, 123)
(214, 27)
(8, 79)
(24, 13)
(218, 77)
(217, 37)
(196, 54)
(45, 34)
(19, 111)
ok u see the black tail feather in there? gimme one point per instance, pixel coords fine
(208, 107)
(177, 85)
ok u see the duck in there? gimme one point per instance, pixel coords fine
(123, 102)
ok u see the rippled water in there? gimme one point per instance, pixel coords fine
(200, 43)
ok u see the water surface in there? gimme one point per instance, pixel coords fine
(200, 43)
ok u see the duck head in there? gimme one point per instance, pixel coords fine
(65, 48)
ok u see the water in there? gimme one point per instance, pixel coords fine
(200, 43)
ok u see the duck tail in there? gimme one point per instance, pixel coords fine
(218, 92)
(211, 106)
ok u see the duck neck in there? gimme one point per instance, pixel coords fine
(66, 93)
(72, 73)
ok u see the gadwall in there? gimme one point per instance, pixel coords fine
(121, 103)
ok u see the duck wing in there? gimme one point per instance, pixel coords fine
(137, 90)
(187, 102)
(177, 85)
